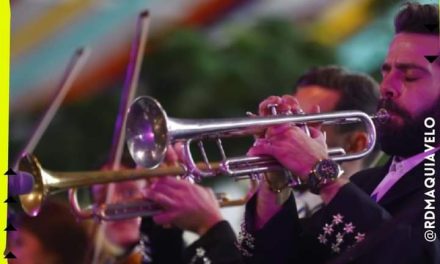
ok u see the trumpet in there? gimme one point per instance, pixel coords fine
(48, 182)
(150, 131)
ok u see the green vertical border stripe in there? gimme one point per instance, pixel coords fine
(5, 20)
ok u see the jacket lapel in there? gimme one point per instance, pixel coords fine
(405, 186)
(372, 178)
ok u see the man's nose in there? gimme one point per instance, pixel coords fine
(390, 87)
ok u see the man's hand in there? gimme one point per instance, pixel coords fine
(185, 205)
(288, 143)
(269, 202)
(286, 104)
(292, 148)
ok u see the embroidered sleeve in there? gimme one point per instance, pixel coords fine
(200, 257)
(245, 242)
(339, 234)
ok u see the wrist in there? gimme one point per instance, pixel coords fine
(304, 174)
(324, 172)
(277, 182)
(329, 190)
(208, 224)
(269, 203)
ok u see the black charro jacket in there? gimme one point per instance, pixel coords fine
(352, 228)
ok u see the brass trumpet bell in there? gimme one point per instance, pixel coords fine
(31, 203)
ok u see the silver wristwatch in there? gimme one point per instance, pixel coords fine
(324, 172)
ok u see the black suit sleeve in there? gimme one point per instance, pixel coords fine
(343, 223)
(274, 243)
(277, 241)
(165, 245)
(217, 246)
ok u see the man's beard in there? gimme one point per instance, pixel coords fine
(408, 139)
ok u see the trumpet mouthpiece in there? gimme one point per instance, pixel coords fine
(382, 116)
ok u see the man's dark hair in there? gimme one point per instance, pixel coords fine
(357, 92)
(418, 18)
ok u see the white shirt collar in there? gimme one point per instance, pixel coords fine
(402, 166)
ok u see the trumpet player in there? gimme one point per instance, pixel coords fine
(122, 236)
(136, 240)
(380, 215)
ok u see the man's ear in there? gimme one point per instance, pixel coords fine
(357, 141)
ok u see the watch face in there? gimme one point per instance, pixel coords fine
(328, 169)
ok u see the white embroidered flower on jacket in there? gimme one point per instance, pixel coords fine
(337, 219)
(328, 229)
(349, 228)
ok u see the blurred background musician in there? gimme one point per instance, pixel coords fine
(52, 237)
(136, 240)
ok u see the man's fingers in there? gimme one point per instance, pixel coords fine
(317, 135)
(172, 187)
(174, 154)
(263, 107)
(260, 149)
(161, 199)
(171, 156)
(172, 182)
(285, 132)
(165, 218)
(274, 131)
(266, 148)
(166, 190)
(291, 101)
(316, 109)
(178, 147)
